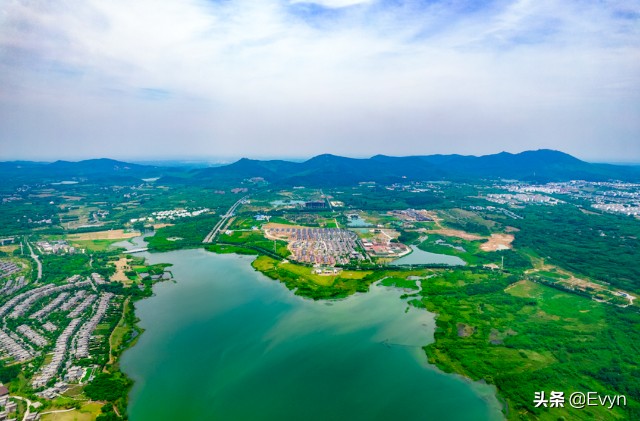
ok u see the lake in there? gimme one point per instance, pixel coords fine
(358, 223)
(227, 343)
(421, 257)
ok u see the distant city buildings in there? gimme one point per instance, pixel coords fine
(612, 197)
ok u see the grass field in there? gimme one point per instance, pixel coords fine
(122, 328)
(87, 412)
(399, 283)
(93, 245)
(306, 273)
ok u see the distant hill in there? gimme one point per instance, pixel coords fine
(327, 170)
(107, 170)
(323, 170)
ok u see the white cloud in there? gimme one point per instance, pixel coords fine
(332, 3)
(259, 77)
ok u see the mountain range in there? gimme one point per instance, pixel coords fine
(324, 170)
(541, 166)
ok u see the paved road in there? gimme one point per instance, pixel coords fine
(35, 257)
(210, 238)
(29, 403)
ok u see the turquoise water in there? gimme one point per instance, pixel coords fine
(358, 222)
(421, 257)
(227, 343)
(277, 203)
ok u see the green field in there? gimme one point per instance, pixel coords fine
(399, 283)
(87, 412)
(308, 284)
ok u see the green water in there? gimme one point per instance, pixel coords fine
(227, 343)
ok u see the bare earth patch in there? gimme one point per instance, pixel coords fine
(104, 235)
(498, 242)
(457, 233)
(272, 225)
(121, 266)
(9, 249)
(465, 330)
(158, 226)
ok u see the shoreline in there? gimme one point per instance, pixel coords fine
(427, 361)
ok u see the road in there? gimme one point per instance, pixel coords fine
(35, 257)
(29, 403)
(210, 238)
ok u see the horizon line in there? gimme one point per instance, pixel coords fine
(230, 159)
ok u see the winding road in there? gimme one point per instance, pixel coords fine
(29, 403)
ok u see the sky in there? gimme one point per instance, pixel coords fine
(154, 79)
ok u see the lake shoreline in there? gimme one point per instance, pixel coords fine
(164, 258)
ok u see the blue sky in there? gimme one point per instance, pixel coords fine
(265, 78)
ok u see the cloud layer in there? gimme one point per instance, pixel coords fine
(178, 78)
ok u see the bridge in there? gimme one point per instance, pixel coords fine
(135, 250)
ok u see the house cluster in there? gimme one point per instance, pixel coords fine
(55, 247)
(54, 391)
(98, 279)
(13, 348)
(178, 213)
(82, 343)
(49, 371)
(170, 215)
(12, 285)
(67, 305)
(36, 294)
(53, 304)
(9, 407)
(74, 374)
(319, 246)
(622, 208)
(8, 268)
(49, 327)
(32, 335)
(82, 306)
(412, 215)
(34, 332)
